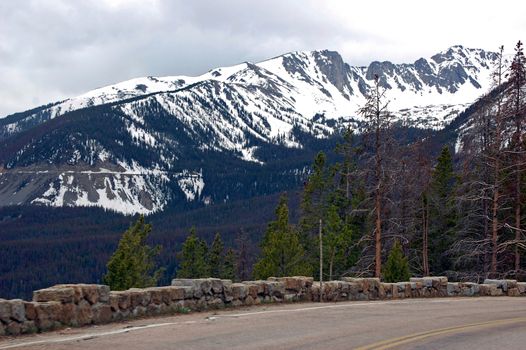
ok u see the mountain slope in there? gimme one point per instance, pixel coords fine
(140, 145)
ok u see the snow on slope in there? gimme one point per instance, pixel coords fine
(227, 108)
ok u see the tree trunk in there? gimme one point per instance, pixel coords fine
(425, 238)
(331, 264)
(496, 175)
(378, 199)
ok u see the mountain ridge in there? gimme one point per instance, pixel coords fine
(135, 146)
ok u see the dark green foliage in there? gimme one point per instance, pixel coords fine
(193, 258)
(282, 252)
(337, 240)
(216, 257)
(229, 265)
(396, 268)
(132, 263)
(314, 197)
(313, 208)
(442, 213)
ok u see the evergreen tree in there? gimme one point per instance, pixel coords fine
(313, 207)
(336, 242)
(229, 267)
(396, 268)
(132, 263)
(282, 252)
(193, 258)
(442, 213)
(216, 257)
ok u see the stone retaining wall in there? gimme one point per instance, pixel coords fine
(73, 305)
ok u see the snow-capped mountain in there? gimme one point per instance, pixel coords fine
(138, 145)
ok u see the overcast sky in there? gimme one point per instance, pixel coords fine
(54, 49)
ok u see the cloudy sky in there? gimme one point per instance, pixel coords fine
(54, 49)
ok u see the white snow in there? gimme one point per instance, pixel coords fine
(192, 184)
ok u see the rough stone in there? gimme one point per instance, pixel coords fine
(513, 292)
(206, 285)
(177, 293)
(522, 287)
(276, 289)
(183, 282)
(77, 288)
(216, 303)
(140, 297)
(156, 295)
(68, 315)
(90, 293)
(47, 315)
(239, 290)
(101, 313)
(153, 309)
(84, 313)
(114, 302)
(2, 330)
(227, 293)
(237, 303)
(489, 290)
(469, 289)
(502, 284)
(249, 300)
(453, 289)
(28, 327)
(124, 300)
(60, 294)
(217, 285)
(31, 313)
(18, 310)
(293, 283)
(188, 292)
(139, 311)
(201, 285)
(288, 298)
(252, 289)
(5, 310)
(13, 328)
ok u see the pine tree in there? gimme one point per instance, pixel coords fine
(313, 200)
(313, 207)
(132, 263)
(442, 213)
(216, 257)
(396, 268)
(282, 252)
(193, 258)
(336, 241)
(229, 266)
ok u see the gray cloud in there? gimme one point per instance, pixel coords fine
(54, 49)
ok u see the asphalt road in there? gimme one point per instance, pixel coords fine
(453, 323)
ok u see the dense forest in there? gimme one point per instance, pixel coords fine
(449, 202)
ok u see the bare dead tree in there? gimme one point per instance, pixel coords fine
(517, 81)
(377, 122)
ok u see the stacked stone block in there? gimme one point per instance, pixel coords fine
(73, 305)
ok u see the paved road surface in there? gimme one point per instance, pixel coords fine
(453, 323)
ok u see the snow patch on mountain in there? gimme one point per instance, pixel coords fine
(192, 184)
